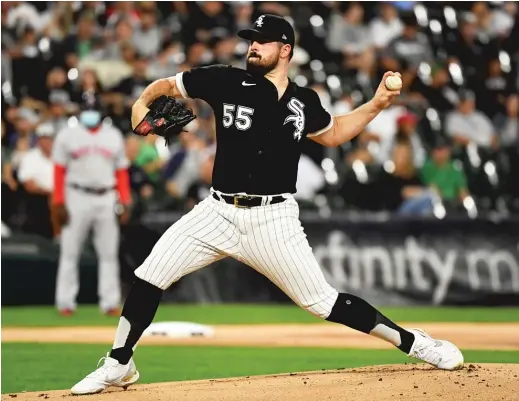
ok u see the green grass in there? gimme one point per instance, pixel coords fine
(35, 367)
(248, 314)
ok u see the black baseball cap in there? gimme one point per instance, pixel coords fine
(272, 27)
(441, 143)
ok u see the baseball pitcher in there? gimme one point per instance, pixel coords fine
(262, 118)
(90, 175)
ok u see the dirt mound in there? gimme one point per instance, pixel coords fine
(481, 382)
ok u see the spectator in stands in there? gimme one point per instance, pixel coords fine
(21, 15)
(147, 38)
(400, 186)
(139, 181)
(149, 159)
(24, 123)
(378, 135)
(59, 21)
(507, 125)
(483, 16)
(29, 64)
(310, 179)
(7, 169)
(93, 9)
(441, 175)
(188, 172)
(491, 98)
(120, 43)
(88, 82)
(324, 95)
(36, 174)
(9, 45)
(348, 35)
(406, 52)
(200, 189)
(56, 81)
(223, 50)
(386, 27)
(199, 54)
(59, 108)
(135, 84)
(243, 13)
(502, 20)
(211, 19)
(128, 54)
(119, 114)
(440, 92)
(466, 124)
(10, 191)
(406, 129)
(78, 46)
(467, 50)
(122, 10)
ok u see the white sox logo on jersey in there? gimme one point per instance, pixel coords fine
(296, 106)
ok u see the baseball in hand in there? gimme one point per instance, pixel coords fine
(393, 83)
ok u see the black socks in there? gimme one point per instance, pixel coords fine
(356, 313)
(144, 298)
(138, 312)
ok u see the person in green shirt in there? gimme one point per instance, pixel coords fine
(440, 174)
(149, 159)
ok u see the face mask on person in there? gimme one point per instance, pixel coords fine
(90, 118)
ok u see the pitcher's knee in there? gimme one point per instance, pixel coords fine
(153, 277)
(321, 305)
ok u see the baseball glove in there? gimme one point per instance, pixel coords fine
(167, 118)
(124, 214)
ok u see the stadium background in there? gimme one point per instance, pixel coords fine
(454, 242)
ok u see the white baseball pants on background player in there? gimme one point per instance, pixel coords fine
(97, 212)
(269, 238)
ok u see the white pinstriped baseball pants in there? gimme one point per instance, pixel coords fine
(270, 239)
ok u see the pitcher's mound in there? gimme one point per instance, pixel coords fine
(477, 382)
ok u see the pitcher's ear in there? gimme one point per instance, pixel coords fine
(286, 50)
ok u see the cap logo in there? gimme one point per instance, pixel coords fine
(284, 37)
(259, 21)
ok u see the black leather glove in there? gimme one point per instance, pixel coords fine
(167, 118)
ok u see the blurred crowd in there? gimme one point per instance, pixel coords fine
(449, 144)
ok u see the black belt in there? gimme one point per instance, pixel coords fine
(94, 191)
(247, 201)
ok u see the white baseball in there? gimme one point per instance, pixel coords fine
(393, 83)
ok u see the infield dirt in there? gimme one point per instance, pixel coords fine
(481, 382)
(482, 336)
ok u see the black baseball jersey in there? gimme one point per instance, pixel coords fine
(258, 136)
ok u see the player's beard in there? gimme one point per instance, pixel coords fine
(261, 65)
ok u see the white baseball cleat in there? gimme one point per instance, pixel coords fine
(440, 353)
(111, 373)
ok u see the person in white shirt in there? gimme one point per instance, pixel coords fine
(22, 15)
(310, 179)
(386, 27)
(467, 125)
(36, 174)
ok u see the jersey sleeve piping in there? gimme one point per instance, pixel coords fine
(180, 85)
